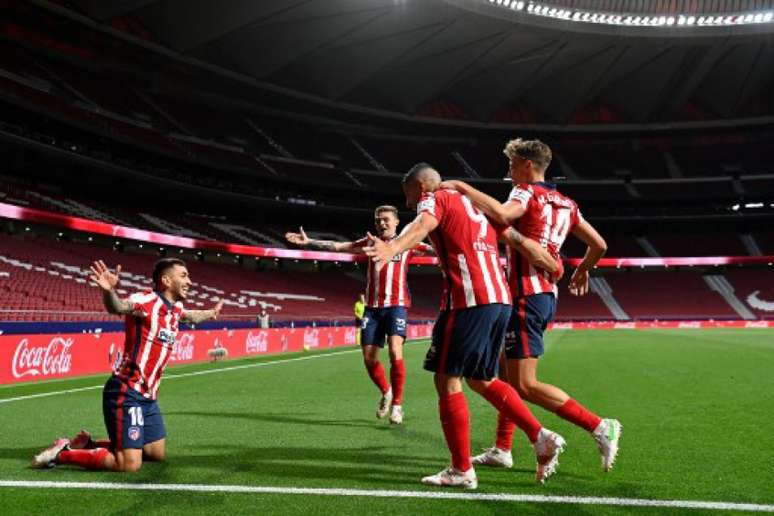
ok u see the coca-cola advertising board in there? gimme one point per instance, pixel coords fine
(25, 358)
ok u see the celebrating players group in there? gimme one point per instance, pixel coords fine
(489, 331)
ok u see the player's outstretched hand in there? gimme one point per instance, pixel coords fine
(579, 283)
(299, 238)
(217, 309)
(379, 250)
(101, 275)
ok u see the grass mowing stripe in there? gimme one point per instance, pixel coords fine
(488, 497)
(183, 375)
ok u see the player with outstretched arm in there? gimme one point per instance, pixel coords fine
(133, 419)
(475, 307)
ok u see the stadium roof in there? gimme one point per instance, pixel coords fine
(477, 60)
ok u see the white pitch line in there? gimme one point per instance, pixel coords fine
(182, 375)
(434, 495)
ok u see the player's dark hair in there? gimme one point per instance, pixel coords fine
(163, 266)
(415, 170)
(386, 207)
(534, 150)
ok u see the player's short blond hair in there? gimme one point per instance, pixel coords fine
(386, 207)
(534, 150)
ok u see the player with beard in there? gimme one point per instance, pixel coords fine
(132, 416)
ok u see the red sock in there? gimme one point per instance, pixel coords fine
(376, 372)
(505, 429)
(579, 415)
(506, 400)
(89, 459)
(99, 443)
(398, 380)
(455, 420)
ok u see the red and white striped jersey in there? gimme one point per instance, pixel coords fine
(466, 245)
(386, 285)
(151, 330)
(548, 218)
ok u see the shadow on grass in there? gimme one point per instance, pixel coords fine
(288, 419)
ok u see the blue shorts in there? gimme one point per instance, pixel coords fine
(529, 319)
(468, 342)
(132, 420)
(379, 323)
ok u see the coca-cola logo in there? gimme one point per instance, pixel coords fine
(312, 338)
(350, 336)
(258, 343)
(183, 348)
(55, 358)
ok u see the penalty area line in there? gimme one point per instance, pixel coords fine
(428, 495)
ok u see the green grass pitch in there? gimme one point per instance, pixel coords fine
(696, 406)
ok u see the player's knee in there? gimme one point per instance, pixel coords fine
(478, 386)
(128, 466)
(526, 388)
(370, 361)
(156, 456)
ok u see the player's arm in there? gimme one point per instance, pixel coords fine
(537, 255)
(197, 316)
(382, 252)
(107, 281)
(300, 239)
(503, 214)
(596, 247)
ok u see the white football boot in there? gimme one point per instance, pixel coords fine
(47, 458)
(607, 434)
(384, 404)
(450, 477)
(396, 415)
(547, 449)
(494, 457)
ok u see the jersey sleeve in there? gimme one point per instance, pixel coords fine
(140, 302)
(421, 249)
(521, 194)
(432, 203)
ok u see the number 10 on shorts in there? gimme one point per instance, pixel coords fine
(136, 414)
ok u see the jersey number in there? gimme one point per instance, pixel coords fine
(475, 216)
(136, 414)
(555, 230)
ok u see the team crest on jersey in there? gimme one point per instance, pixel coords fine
(134, 433)
(167, 337)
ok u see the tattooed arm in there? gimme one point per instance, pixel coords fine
(197, 316)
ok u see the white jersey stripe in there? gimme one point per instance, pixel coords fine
(537, 288)
(377, 283)
(160, 360)
(154, 328)
(402, 280)
(498, 274)
(388, 283)
(467, 284)
(490, 292)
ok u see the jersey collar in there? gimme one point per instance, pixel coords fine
(164, 300)
(544, 184)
